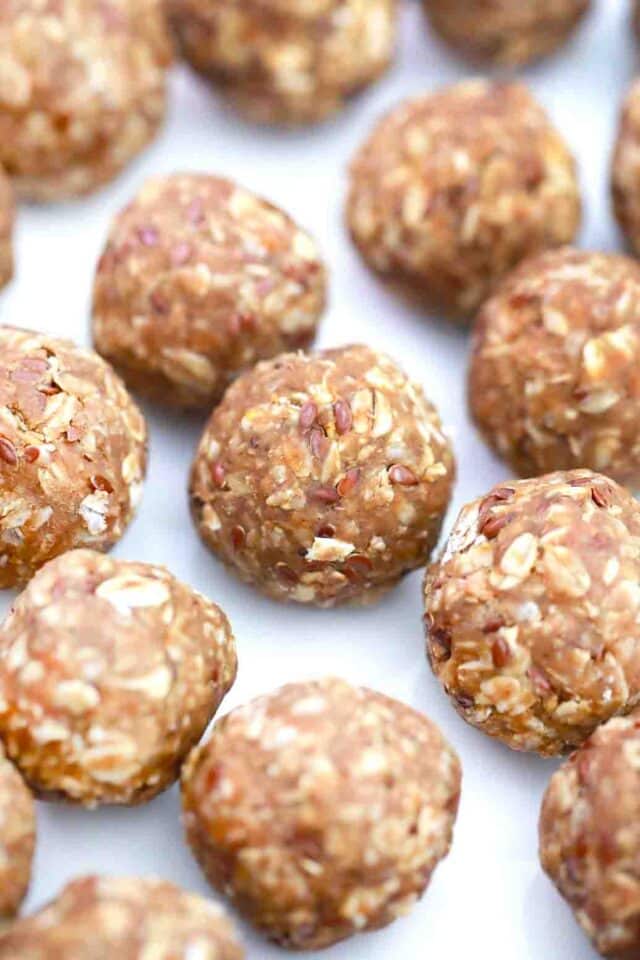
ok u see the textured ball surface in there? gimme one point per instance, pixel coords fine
(625, 174)
(199, 280)
(554, 380)
(82, 91)
(321, 810)
(7, 213)
(323, 478)
(453, 189)
(17, 838)
(72, 452)
(531, 611)
(110, 672)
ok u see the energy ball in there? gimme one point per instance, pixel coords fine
(135, 919)
(532, 610)
(82, 90)
(455, 188)
(6, 228)
(505, 32)
(625, 176)
(323, 478)
(321, 810)
(17, 838)
(553, 380)
(72, 452)
(200, 279)
(110, 672)
(287, 61)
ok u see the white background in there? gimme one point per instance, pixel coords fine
(489, 898)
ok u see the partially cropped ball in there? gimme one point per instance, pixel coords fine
(17, 838)
(625, 174)
(532, 610)
(287, 61)
(590, 836)
(554, 379)
(132, 919)
(82, 90)
(6, 229)
(200, 279)
(323, 478)
(455, 188)
(72, 452)
(110, 672)
(321, 810)
(506, 32)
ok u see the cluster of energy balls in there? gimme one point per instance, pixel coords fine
(320, 809)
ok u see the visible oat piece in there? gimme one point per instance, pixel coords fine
(72, 452)
(321, 810)
(590, 836)
(554, 378)
(200, 279)
(532, 610)
(82, 90)
(6, 229)
(132, 919)
(625, 172)
(110, 672)
(323, 478)
(17, 838)
(455, 188)
(506, 32)
(287, 61)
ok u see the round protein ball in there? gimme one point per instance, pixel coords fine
(287, 61)
(7, 214)
(110, 672)
(322, 810)
(17, 838)
(530, 610)
(323, 478)
(132, 918)
(506, 32)
(552, 378)
(72, 452)
(590, 836)
(455, 188)
(625, 173)
(82, 90)
(200, 279)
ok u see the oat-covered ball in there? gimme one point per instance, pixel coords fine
(199, 280)
(6, 228)
(506, 32)
(72, 452)
(82, 90)
(323, 478)
(553, 380)
(625, 176)
(110, 672)
(590, 836)
(287, 61)
(532, 610)
(321, 810)
(17, 838)
(455, 188)
(132, 919)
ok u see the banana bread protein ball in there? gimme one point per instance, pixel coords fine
(133, 919)
(590, 836)
(17, 838)
(110, 672)
(505, 32)
(200, 279)
(82, 90)
(532, 610)
(455, 188)
(625, 177)
(323, 478)
(6, 229)
(287, 61)
(72, 452)
(554, 381)
(322, 810)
